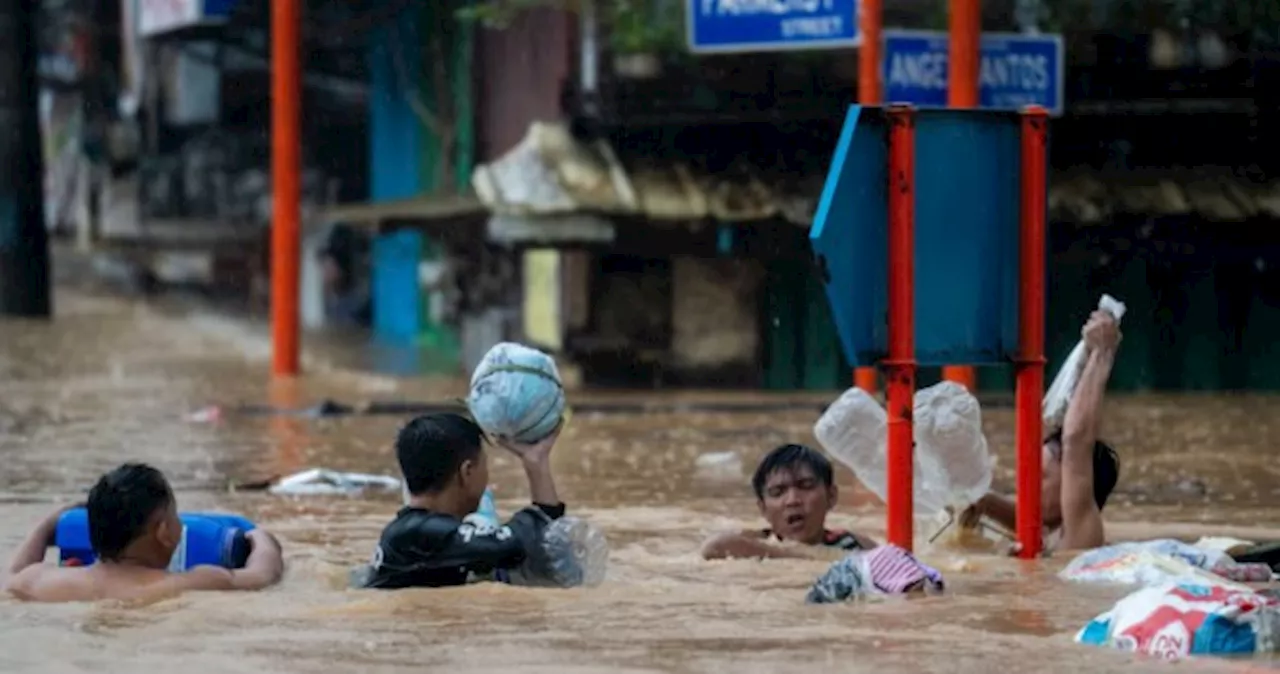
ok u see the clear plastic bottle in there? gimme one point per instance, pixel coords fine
(573, 554)
(486, 516)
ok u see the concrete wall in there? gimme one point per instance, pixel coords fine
(715, 312)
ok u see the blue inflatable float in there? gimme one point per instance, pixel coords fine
(207, 539)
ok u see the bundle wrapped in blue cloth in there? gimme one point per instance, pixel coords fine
(516, 393)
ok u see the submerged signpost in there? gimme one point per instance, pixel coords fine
(936, 219)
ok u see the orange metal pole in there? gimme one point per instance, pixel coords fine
(900, 367)
(870, 25)
(962, 59)
(867, 379)
(1031, 309)
(870, 92)
(965, 375)
(962, 92)
(285, 169)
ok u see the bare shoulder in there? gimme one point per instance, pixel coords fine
(1083, 530)
(52, 584)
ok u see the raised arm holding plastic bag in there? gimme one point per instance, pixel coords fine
(1079, 470)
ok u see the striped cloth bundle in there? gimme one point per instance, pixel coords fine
(885, 570)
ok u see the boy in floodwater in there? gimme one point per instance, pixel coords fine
(795, 489)
(134, 530)
(431, 543)
(1080, 471)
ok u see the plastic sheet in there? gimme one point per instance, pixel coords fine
(573, 553)
(1058, 397)
(516, 393)
(324, 482)
(1162, 561)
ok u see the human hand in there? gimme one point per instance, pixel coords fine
(1102, 332)
(50, 522)
(532, 453)
(259, 538)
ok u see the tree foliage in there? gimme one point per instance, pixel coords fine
(629, 25)
(658, 25)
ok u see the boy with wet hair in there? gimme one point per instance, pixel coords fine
(430, 543)
(795, 489)
(134, 530)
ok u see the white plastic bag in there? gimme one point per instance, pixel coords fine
(953, 466)
(324, 482)
(1058, 397)
(854, 430)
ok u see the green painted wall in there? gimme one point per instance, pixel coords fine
(1203, 315)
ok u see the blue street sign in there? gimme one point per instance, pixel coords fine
(1016, 70)
(770, 25)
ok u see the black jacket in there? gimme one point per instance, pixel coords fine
(421, 548)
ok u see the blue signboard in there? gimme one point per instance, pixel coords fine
(1016, 70)
(770, 25)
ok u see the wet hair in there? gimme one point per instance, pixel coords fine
(121, 505)
(790, 457)
(431, 448)
(1106, 468)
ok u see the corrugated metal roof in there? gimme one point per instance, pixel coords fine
(550, 172)
(1214, 195)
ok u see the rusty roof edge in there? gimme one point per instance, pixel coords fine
(552, 172)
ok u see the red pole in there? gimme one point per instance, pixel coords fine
(285, 169)
(900, 367)
(1030, 362)
(870, 92)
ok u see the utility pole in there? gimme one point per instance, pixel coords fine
(870, 92)
(286, 170)
(24, 242)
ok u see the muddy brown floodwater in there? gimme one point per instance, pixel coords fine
(110, 380)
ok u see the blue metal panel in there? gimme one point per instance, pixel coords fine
(966, 236)
(849, 236)
(967, 198)
(395, 132)
(397, 296)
